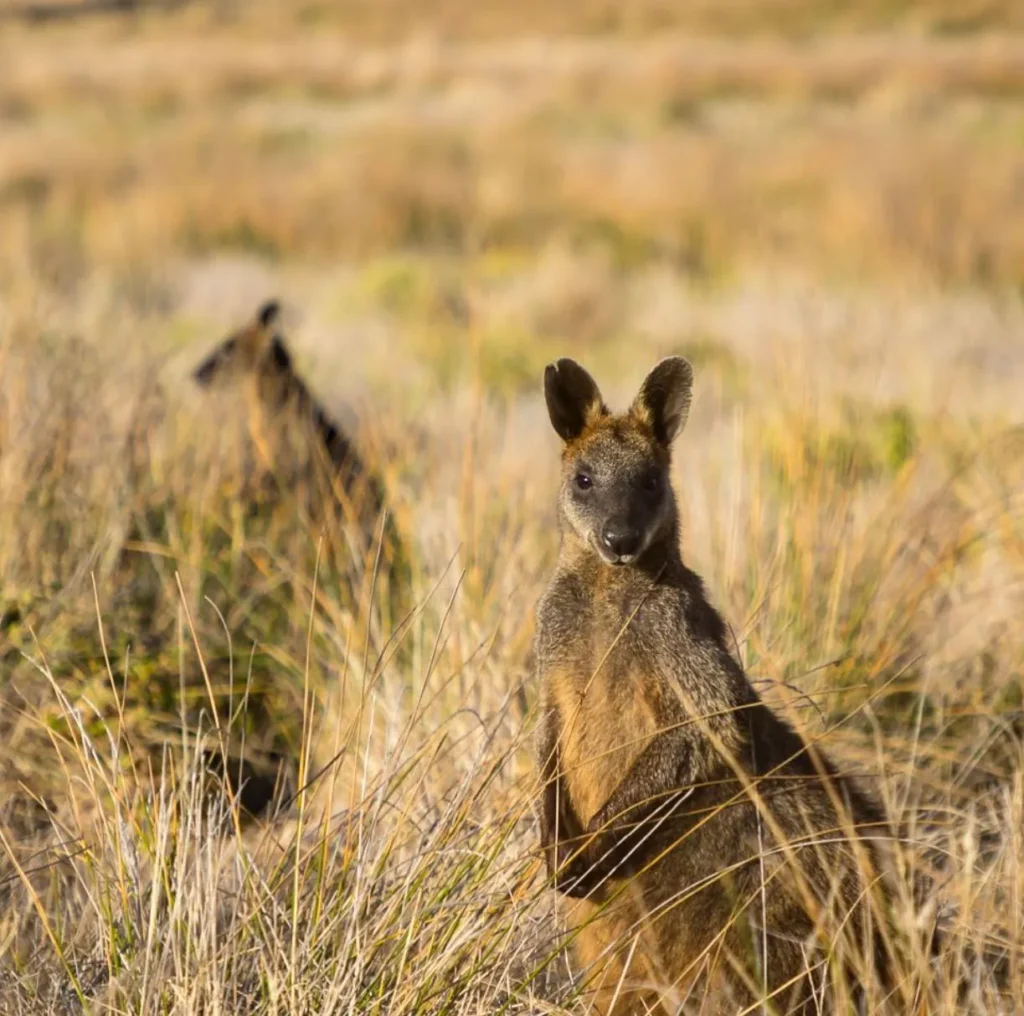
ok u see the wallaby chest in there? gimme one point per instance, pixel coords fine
(608, 686)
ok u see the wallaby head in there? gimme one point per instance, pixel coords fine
(256, 350)
(616, 494)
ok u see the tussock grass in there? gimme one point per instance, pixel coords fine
(873, 581)
(863, 155)
(826, 223)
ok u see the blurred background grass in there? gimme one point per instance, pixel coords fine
(821, 205)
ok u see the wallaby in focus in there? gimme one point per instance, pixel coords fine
(703, 843)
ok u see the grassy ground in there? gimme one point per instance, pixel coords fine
(824, 211)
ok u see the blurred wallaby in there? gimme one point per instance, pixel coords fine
(257, 355)
(257, 359)
(704, 845)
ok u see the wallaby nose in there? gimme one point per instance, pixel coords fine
(621, 538)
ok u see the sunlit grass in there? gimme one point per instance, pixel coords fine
(827, 223)
(870, 578)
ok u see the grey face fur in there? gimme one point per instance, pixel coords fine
(616, 493)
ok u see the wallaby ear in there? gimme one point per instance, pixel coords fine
(208, 369)
(664, 398)
(269, 314)
(280, 357)
(572, 396)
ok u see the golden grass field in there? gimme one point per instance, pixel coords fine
(822, 208)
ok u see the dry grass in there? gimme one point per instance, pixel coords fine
(385, 20)
(707, 154)
(828, 224)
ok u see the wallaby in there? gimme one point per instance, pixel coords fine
(705, 847)
(256, 357)
(258, 354)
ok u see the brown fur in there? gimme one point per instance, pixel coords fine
(684, 821)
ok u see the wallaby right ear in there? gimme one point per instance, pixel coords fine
(269, 314)
(572, 396)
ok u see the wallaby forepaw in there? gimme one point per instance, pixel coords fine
(577, 880)
(575, 876)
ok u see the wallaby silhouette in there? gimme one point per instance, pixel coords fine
(704, 846)
(257, 358)
(258, 354)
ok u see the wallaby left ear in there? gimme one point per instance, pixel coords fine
(664, 398)
(204, 374)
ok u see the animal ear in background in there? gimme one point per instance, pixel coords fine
(245, 347)
(269, 314)
(663, 401)
(280, 356)
(207, 370)
(269, 319)
(572, 397)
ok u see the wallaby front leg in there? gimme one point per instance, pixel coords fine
(547, 753)
(655, 783)
(561, 831)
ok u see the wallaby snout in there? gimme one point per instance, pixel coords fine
(621, 540)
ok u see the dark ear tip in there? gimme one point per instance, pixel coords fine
(673, 370)
(269, 313)
(678, 364)
(563, 366)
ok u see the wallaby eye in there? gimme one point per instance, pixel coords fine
(583, 481)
